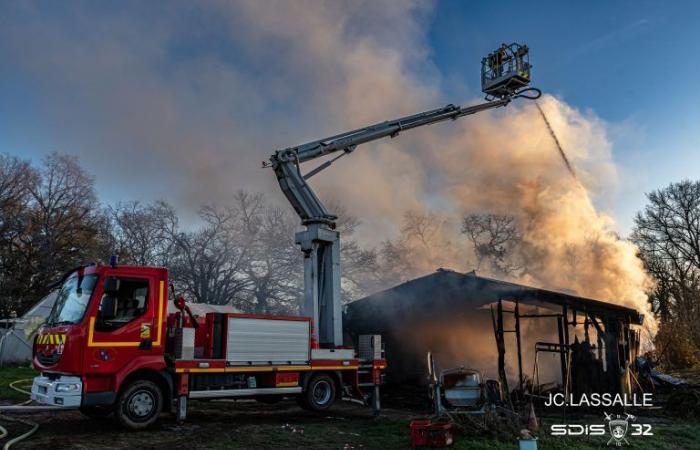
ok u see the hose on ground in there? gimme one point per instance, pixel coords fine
(21, 437)
(34, 426)
(20, 390)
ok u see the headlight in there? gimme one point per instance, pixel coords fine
(67, 387)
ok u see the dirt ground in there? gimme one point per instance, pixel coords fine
(251, 425)
(226, 424)
(246, 424)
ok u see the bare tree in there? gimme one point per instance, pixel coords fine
(422, 228)
(667, 233)
(16, 179)
(51, 222)
(360, 265)
(66, 217)
(494, 239)
(143, 234)
(209, 263)
(274, 271)
(419, 247)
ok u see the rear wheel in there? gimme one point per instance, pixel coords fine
(139, 405)
(320, 393)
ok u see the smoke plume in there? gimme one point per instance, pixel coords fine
(510, 165)
(184, 103)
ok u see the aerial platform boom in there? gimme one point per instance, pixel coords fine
(505, 76)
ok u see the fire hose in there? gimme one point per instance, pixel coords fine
(34, 426)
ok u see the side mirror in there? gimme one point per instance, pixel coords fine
(111, 285)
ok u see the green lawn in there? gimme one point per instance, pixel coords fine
(250, 425)
(391, 433)
(8, 374)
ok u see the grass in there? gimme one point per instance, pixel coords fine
(393, 433)
(250, 425)
(8, 374)
(241, 425)
(691, 375)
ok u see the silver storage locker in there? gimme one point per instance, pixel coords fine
(253, 341)
(184, 343)
(370, 347)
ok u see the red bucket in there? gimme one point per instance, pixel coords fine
(426, 433)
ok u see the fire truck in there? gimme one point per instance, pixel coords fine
(111, 344)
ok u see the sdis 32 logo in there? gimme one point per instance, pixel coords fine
(618, 426)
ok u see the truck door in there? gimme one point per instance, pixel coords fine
(126, 324)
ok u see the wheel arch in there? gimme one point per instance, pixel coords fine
(162, 379)
(334, 374)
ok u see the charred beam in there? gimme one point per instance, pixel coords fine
(538, 316)
(520, 351)
(562, 344)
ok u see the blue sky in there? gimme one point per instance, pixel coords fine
(633, 64)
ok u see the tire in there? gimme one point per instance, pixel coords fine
(320, 393)
(139, 405)
(96, 412)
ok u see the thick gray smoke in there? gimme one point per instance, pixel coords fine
(183, 103)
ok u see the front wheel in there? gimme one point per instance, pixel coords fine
(320, 393)
(139, 405)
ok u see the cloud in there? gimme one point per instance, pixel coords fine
(183, 102)
(186, 102)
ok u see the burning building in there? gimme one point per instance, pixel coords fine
(522, 335)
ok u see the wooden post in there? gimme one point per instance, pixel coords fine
(599, 335)
(612, 331)
(517, 337)
(562, 356)
(565, 313)
(500, 344)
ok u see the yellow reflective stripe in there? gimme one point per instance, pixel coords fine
(51, 339)
(292, 368)
(91, 327)
(241, 369)
(92, 343)
(160, 312)
(261, 369)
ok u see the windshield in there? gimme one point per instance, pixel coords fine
(72, 299)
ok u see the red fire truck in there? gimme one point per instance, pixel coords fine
(110, 345)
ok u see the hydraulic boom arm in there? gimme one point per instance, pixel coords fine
(286, 162)
(505, 76)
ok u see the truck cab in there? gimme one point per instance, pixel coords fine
(110, 346)
(107, 324)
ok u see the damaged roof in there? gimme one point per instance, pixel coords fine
(446, 289)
